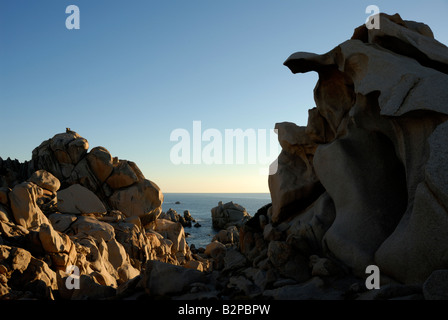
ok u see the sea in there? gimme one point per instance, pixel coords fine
(200, 205)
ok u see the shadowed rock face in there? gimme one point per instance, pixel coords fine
(376, 144)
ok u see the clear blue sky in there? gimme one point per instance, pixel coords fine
(138, 69)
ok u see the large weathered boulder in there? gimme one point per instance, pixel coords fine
(25, 210)
(366, 181)
(61, 222)
(143, 199)
(77, 199)
(88, 226)
(122, 176)
(381, 104)
(426, 223)
(45, 180)
(100, 161)
(52, 241)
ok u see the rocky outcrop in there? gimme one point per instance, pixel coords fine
(374, 148)
(66, 215)
(119, 184)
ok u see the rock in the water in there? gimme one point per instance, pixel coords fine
(188, 217)
(229, 214)
(172, 215)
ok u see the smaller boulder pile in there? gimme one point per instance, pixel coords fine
(69, 209)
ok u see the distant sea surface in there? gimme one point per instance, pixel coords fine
(200, 205)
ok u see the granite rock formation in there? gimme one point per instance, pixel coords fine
(367, 177)
(69, 208)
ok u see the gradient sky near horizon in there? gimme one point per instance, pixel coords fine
(136, 70)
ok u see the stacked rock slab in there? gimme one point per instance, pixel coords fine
(375, 144)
